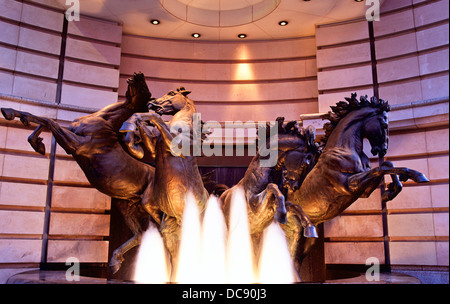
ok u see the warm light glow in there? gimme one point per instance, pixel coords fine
(244, 72)
(153, 266)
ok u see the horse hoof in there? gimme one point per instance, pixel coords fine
(310, 232)
(115, 266)
(420, 178)
(37, 144)
(8, 113)
(128, 127)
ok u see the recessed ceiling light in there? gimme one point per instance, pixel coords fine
(196, 35)
(283, 23)
(359, 0)
(242, 36)
(155, 21)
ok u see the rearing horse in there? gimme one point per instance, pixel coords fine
(176, 174)
(342, 173)
(94, 142)
(261, 185)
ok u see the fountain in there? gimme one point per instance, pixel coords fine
(231, 240)
(214, 254)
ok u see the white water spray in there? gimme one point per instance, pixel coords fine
(209, 253)
(240, 264)
(275, 262)
(152, 265)
(214, 242)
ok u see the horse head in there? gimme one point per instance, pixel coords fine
(357, 119)
(171, 103)
(137, 94)
(297, 153)
(376, 129)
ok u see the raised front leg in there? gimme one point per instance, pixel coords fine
(68, 140)
(36, 141)
(360, 182)
(168, 139)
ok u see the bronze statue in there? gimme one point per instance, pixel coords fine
(308, 185)
(342, 173)
(94, 142)
(176, 174)
(261, 185)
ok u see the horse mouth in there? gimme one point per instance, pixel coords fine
(378, 151)
(156, 108)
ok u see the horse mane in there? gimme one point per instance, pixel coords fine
(351, 104)
(308, 135)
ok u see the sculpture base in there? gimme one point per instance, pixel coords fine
(59, 277)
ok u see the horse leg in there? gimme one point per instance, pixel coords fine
(262, 205)
(171, 232)
(117, 257)
(299, 246)
(309, 230)
(68, 140)
(36, 141)
(149, 205)
(137, 221)
(362, 182)
(304, 247)
(131, 124)
(393, 189)
(133, 146)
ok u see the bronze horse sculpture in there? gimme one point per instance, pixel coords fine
(261, 185)
(94, 142)
(176, 174)
(342, 173)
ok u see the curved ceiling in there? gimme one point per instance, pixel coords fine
(220, 19)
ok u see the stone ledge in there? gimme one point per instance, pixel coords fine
(410, 115)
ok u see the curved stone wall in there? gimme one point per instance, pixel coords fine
(410, 57)
(229, 80)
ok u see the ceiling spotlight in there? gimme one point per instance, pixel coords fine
(242, 36)
(196, 35)
(359, 0)
(283, 23)
(155, 22)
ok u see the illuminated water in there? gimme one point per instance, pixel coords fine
(211, 253)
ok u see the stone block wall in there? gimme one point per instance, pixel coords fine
(229, 80)
(48, 210)
(410, 57)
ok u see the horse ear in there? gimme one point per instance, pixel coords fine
(183, 91)
(310, 135)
